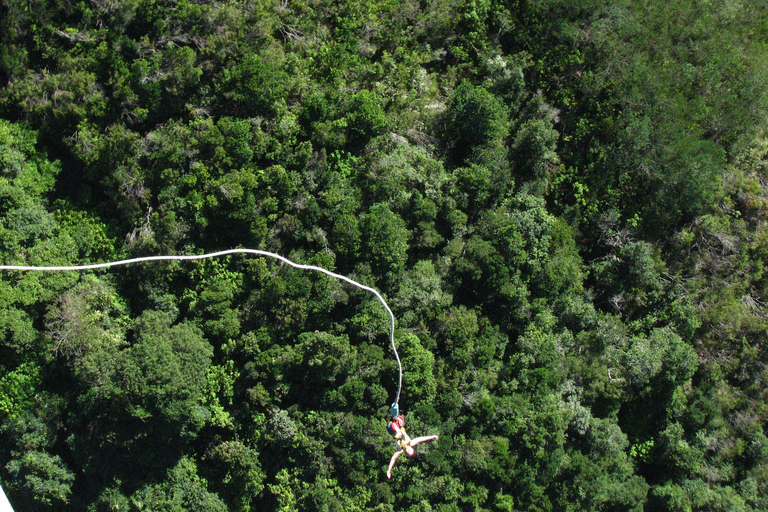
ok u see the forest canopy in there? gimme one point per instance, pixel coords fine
(563, 201)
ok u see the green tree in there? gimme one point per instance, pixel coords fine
(367, 118)
(418, 377)
(236, 474)
(254, 85)
(144, 397)
(183, 489)
(384, 240)
(476, 126)
(87, 316)
(603, 488)
(40, 479)
(17, 389)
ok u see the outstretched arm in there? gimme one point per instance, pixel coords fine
(418, 440)
(392, 462)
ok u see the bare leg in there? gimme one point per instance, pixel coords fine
(418, 440)
(392, 462)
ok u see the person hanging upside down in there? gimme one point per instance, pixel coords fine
(396, 428)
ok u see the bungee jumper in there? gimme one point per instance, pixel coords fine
(396, 428)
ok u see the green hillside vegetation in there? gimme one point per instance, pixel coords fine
(565, 203)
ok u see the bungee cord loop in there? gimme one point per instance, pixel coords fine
(256, 252)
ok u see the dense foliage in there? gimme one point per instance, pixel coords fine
(563, 201)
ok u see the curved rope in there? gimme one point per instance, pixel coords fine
(224, 253)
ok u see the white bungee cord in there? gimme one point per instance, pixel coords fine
(255, 252)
